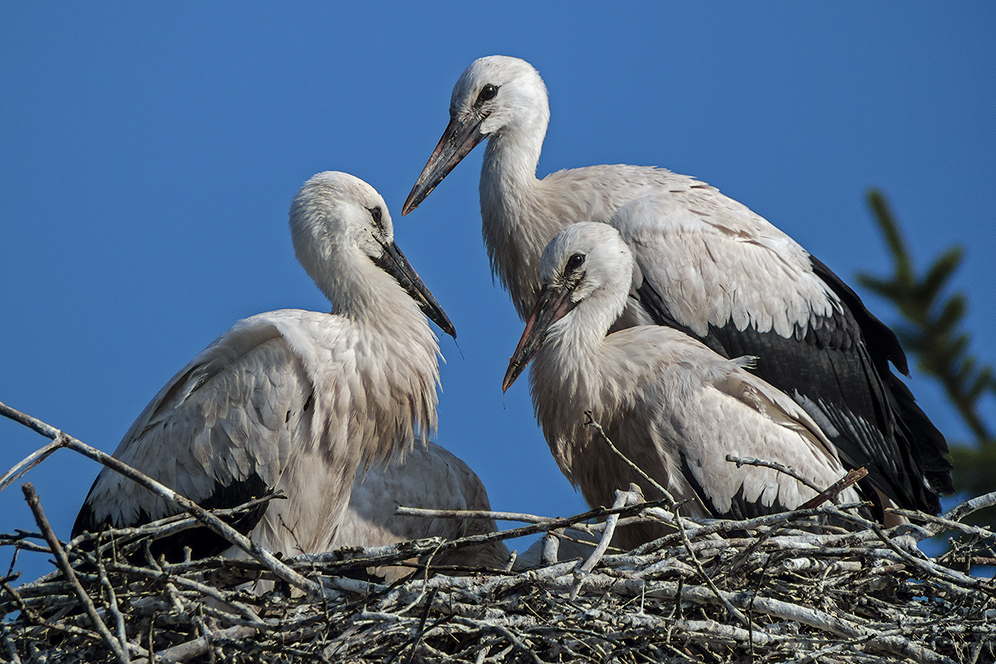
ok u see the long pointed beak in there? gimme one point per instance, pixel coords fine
(395, 264)
(460, 137)
(553, 304)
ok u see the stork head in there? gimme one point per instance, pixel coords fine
(494, 95)
(586, 273)
(341, 230)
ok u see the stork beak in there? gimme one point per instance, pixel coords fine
(395, 264)
(554, 303)
(460, 137)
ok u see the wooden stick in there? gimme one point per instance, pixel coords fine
(974, 505)
(188, 650)
(67, 570)
(832, 492)
(403, 510)
(623, 498)
(33, 616)
(786, 470)
(590, 422)
(9, 643)
(29, 462)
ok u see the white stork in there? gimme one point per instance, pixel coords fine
(710, 266)
(671, 405)
(292, 401)
(429, 477)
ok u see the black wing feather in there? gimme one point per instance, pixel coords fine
(837, 368)
(921, 438)
(202, 541)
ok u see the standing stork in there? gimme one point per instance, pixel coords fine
(292, 401)
(671, 405)
(710, 267)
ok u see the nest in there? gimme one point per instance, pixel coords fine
(817, 585)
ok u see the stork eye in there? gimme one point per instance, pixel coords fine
(488, 93)
(375, 214)
(574, 262)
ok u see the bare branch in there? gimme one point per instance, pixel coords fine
(623, 498)
(403, 510)
(786, 470)
(67, 570)
(959, 512)
(832, 492)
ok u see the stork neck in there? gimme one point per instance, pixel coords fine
(579, 338)
(375, 299)
(394, 353)
(510, 159)
(513, 224)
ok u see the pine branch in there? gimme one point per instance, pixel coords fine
(933, 323)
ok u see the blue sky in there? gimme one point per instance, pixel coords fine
(149, 153)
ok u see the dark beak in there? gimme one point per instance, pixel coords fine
(554, 303)
(395, 264)
(460, 137)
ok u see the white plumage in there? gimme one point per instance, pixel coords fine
(670, 404)
(708, 266)
(428, 477)
(293, 401)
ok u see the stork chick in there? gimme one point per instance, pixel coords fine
(673, 407)
(292, 401)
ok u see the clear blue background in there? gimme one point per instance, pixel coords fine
(149, 153)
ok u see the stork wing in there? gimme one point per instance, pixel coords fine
(739, 414)
(748, 289)
(913, 426)
(429, 477)
(219, 433)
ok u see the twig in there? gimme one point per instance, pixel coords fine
(515, 641)
(377, 556)
(188, 650)
(832, 492)
(590, 422)
(67, 571)
(33, 616)
(950, 575)
(938, 524)
(623, 498)
(112, 603)
(110, 538)
(420, 630)
(959, 512)
(774, 465)
(403, 510)
(829, 494)
(10, 645)
(734, 611)
(723, 526)
(29, 462)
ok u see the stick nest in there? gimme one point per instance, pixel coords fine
(783, 588)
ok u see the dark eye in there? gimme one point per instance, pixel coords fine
(488, 93)
(573, 263)
(375, 213)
